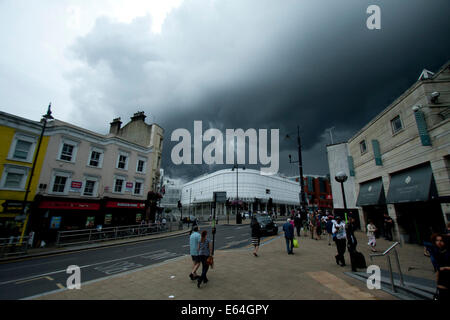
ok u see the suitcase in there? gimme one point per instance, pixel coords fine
(359, 260)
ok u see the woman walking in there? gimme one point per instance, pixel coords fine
(256, 235)
(204, 251)
(371, 229)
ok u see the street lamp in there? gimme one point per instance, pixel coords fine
(341, 177)
(303, 203)
(46, 117)
(238, 221)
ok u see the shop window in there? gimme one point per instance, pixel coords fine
(396, 124)
(22, 148)
(14, 177)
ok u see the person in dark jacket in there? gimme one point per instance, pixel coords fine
(256, 235)
(298, 223)
(440, 258)
(351, 242)
(289, 236)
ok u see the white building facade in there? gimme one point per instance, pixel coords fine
(248, 186)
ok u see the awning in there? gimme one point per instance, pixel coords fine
(412, 185)
(371, 193)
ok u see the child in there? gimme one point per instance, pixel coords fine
(371, 235)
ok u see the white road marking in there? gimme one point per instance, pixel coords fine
(229, 237)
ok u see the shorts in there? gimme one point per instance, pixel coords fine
(196, 259)
(372, 242)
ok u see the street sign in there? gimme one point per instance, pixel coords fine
(220, 196)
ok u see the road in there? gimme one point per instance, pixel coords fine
(26, 278)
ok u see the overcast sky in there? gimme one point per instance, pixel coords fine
(230, 63)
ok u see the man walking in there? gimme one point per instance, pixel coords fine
(289, 236)
(339, 230)
(298, 223)
(388, 224)
(194, 240)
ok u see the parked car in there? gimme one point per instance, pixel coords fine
(268, 226)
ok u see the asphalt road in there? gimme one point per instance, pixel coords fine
(27, 278)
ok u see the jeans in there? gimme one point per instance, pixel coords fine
(289, 244)
(205, 268)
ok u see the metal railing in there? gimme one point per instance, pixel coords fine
(75, 237)
(387, 254)
(13, 246)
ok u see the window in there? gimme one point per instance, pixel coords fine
(14, 177)
(89, 188)
(68, 150)
(138, 188)
(396, 124)
(140, 167)
(119, 184)
(22, 148)
(122, 161)
(60, 182)
(96, 158)
(363, 147)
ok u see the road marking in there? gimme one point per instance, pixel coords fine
(340, 286)
(118, 267)
(34, 279)
(59, 285)
(229, 237)
(187, 245)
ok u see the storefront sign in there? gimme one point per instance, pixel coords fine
(75, 186)
(69, 205)
(55, 222)
(131, 205)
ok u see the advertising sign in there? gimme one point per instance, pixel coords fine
(75, 186)
(108, 218)
(90, 222)
(138, 217)
(55, 223)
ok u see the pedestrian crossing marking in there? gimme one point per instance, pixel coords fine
(340, 286)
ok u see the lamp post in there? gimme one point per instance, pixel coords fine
(238, 220)
(46, 117)
(341, 177)
(303, 203)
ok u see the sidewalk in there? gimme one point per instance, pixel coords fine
(310, 274)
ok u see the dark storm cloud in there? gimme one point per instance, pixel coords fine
(261, 64)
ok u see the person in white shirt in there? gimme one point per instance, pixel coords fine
(341, 240)
(371, 229)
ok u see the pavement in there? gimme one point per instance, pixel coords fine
(310, 274)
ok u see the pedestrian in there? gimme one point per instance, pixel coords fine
(312, 224)
(329, 227)
(204, 251)
(388, 225)
(339, 230)
(194, 241)
(289, 236)
(351, 242)
(318, 228)
(440, 258)
(256, 235)
(298, 223)
(371, 229)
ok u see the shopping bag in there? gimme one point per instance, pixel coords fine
(295, 243)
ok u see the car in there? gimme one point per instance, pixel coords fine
(268, 226)
(190, 219)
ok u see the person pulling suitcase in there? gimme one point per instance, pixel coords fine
(357, 259)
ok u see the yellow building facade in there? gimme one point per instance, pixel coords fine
(19, 139)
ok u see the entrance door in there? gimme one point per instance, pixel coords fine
(420, 220)
(376, 214)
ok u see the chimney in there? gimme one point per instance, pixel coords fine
(138, 116)
(115, 126)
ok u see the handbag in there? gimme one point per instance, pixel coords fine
(210, 261)
(295, 243)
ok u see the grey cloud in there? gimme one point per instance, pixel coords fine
(259, 64)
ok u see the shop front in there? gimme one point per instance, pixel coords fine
(122, 212)
(56, 214)
(414, 195)
(372, 199)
